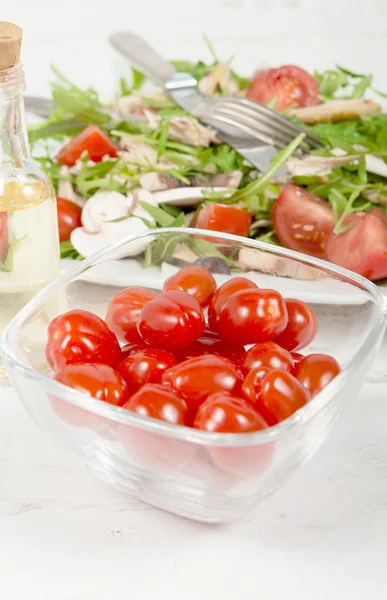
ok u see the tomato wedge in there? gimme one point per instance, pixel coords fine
(91, 140)
(220, 217)
(302, 221)
(4, 241)
(289, 85)
(363, 247)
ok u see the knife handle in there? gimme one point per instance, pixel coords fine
(142, 55)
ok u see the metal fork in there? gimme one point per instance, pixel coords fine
(253, 129)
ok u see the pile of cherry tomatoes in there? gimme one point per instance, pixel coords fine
(221, 359)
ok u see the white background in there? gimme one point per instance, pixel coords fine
(63, 536)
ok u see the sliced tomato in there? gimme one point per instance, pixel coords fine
(4, 236)
(363, 246)
(289, 85)
(302, 221)
(220, 217)
(91, 140)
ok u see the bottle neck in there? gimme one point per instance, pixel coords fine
(14, 147)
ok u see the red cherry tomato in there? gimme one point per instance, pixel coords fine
(197, 378)
(159, 402)
(95, 379)
(316, 371)
(302, 221)
(145, 366)
(301, 328)
(210, 343)
(289, 85)
(69, 217)
(124, 310)
(154, 451)
(4, 236)
(172, 321)
(297, 357)
(220, 217)
(133, 347)
(252, 316)
(79, 336)
(196, 281)
(363, 246)
(252, 384)
(224, 413)
(91, 140)
(268, 355)
(280, 396)
(236, 284)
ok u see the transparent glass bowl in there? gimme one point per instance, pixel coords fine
(203, 476)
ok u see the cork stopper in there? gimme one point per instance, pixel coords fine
(10, 44)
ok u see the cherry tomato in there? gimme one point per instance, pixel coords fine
(172, 321)
(145, 366)
(154, 451)
(124, 310)
(288, 85)
(316, 371)
(210, 343)
(302, 221)
(4, 236)
(252, 384)
(133, 347)
(236, 284)
(281, 394)
(197, 378)
(91, 140)
(301, 328)
(79, 336)
(220, 217)
(95, 379)
(195, 281)
(297, 357)
(268, 354)
(224, 413)
(159, 402)
(363, 246)
(252, 316)
(69, 217)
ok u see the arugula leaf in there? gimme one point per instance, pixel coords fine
(162, 248)
(67, 250)
(98, 176)
(162, 217)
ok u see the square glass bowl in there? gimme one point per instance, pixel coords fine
(205, 476)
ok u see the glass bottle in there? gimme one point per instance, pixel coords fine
(29, 243)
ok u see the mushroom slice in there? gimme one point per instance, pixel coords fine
(158, 182)
(227, 180)
(375, 164)
(220, 77)
(186, 196)
(335, 110)
(102, 207)
(318, 165)
(187, 130)
(251, 259)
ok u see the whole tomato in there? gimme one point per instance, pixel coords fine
(252, 316)
(196, 281)
(95, 379)
(172, 321)
(197, 378)
(224, 413)
(124, 310)
(297, 357)
(210, 343)
(301, 328)
(79, 336)
(69, 217)
(280, 395)
(268, 354)
(132, 347)
(145, 366)
(316, 371)
(236, 284)
(221, 217)
(252, 384)
(152, 450)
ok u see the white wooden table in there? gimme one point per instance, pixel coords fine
(64, 535)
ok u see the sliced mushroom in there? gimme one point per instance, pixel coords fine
(127, 105)
(187, 130)
(137, 153)
(186, 196)
(375, 164)
(375, 197)
(335, 110)
(318, 165)
(251, 259)
(226, 180)
(158, 182)
(184, 253)
(104, 206)
(220, 78)
(66, 189)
